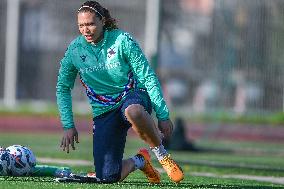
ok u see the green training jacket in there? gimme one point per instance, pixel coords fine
(108, 70)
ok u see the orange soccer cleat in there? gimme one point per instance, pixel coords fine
(173, 170)
(151, 173)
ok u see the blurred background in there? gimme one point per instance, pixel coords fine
(214, 58)
(220, 63)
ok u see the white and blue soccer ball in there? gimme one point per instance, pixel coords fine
(23, 160)
(6, 161)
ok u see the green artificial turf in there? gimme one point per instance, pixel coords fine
(218, 159)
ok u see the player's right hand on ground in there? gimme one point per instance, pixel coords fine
(69, 137)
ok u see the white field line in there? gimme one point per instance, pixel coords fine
(275, 180)
(65, 161)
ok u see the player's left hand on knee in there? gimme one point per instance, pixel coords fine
(166, 127)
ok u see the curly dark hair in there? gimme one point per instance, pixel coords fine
(101, 12)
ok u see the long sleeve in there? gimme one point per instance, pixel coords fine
(66, 78)
(140, 66)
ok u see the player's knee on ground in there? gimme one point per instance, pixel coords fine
(111, 179)
(134, 112)
(108, 173)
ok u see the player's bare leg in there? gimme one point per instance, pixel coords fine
(144, 126)
(128, 166)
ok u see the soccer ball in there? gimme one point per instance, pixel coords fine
(23, 160)
(5, 162)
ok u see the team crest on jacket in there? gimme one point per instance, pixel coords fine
(83, 57)
(110, 52)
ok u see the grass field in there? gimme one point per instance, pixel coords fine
(221, 164)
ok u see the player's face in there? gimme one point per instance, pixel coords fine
(90, 26)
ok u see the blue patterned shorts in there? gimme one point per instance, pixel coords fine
(109, 136)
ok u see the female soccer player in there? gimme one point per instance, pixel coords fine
(122, 90)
